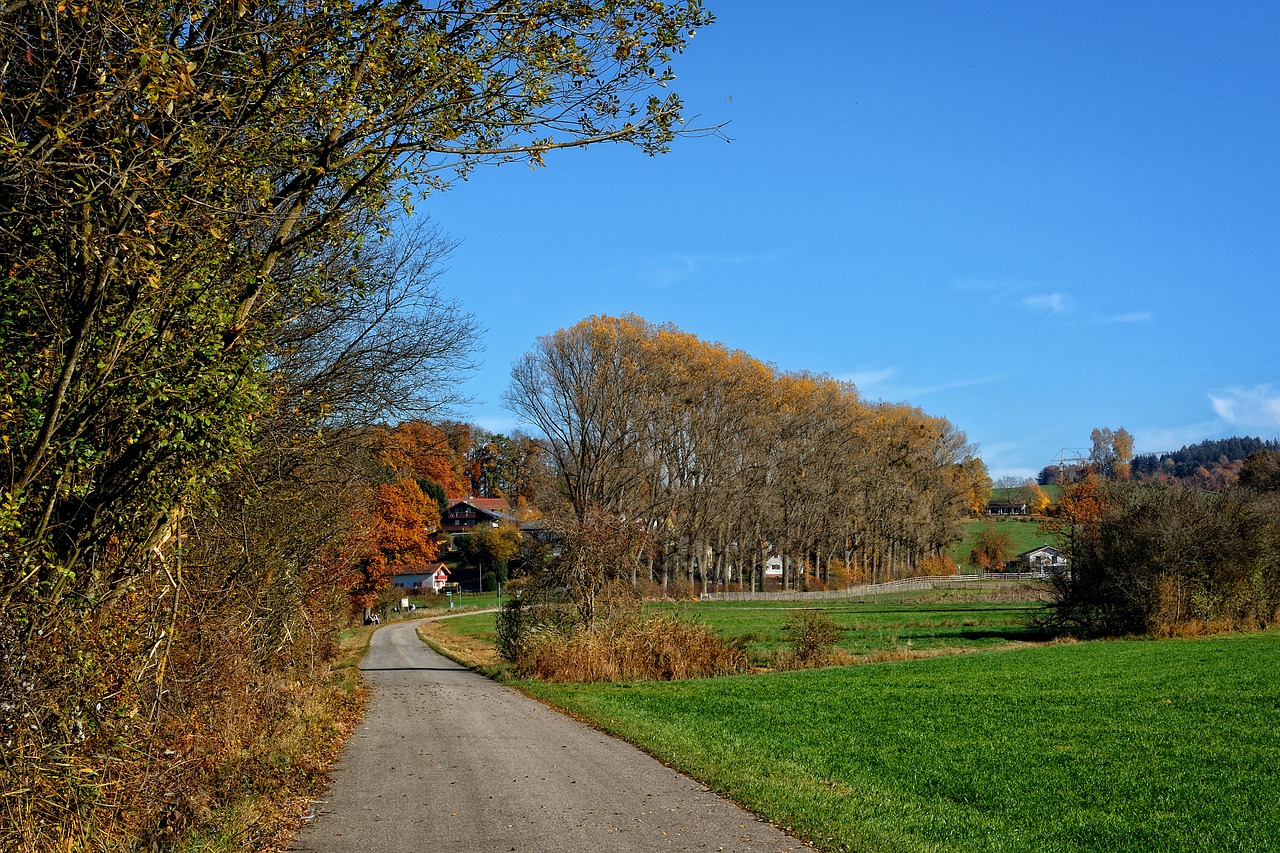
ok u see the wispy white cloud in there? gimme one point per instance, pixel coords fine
(866, 380)
(1131, 317)
(1252, 408)
(1022, 293)
(879, 384)
(1054, 303)
(680, 267)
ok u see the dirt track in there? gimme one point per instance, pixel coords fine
(447, 760)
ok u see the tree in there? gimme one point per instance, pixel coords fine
(991, 549)
(199, 245)
(1112, 452)
(178, 173)
(1162, 557)
(1036, 498)
(1261, 471)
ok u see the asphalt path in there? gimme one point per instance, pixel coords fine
(447, 760)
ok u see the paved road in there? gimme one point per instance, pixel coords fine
(447, 760)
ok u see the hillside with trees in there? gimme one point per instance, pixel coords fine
(1210, 464)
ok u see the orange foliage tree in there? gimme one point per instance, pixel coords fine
(401, 537)
(423, 451)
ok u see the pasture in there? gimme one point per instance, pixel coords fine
(1131, 745)
(1106, 746)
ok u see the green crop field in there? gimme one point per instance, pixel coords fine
(1107, 746)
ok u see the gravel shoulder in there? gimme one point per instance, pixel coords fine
(448, 760)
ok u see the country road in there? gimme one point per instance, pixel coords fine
(447, 760)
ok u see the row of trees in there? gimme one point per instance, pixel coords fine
(208, 295)
(724, 460)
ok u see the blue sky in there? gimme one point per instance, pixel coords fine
(1032, 219)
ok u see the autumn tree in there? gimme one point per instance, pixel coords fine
(728, 460)
(1159, 558)
(1112, 452)
(991, 549)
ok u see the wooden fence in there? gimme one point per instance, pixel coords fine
(868, 589)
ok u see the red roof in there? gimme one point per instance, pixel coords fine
(429, 569)
(490, 504)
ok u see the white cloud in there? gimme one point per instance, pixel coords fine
(681, 267)
(876, 383)
(1054, 303)
(868, 379)
(1131, 317)
(1252, 408)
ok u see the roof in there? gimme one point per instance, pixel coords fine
(1044, 549)
(487, 504)
(428, 569)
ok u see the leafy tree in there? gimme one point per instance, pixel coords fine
(1112, 452)
(199, 245)
(1161, 558)
(991, 549)
(1261, 471)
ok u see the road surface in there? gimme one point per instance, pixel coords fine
(447, 760)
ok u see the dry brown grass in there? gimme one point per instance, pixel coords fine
(657, 648)
(468, 651)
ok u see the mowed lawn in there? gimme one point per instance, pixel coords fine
(1109, 746)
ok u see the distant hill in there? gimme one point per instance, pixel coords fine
(1211, 462)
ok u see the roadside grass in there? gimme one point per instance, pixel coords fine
(297, 752)
(469, 640)
(887, 627)
(1107, 746)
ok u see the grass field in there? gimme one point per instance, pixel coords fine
(901, 624)
(1107, 746)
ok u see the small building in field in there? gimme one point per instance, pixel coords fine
(1042, 560)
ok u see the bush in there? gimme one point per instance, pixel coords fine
(812, 635)
(1169, 559)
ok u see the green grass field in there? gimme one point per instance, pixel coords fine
(911, 622)
(1108, 746)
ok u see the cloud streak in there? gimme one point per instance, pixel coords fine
(677, 268)
(1252, 408)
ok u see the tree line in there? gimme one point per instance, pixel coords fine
(724, 461)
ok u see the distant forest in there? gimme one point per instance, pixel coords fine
(1194, 461)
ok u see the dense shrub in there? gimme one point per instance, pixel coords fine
(632, 648)
(1171, 559)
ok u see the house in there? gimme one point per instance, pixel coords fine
(429, 578)
(1007, 507)
(462, 515)
(1041, 560)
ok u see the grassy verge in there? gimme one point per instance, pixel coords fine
(1120, 746)
(469, 640)
(297, 753)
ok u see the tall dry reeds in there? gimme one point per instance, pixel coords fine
(630, 648)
